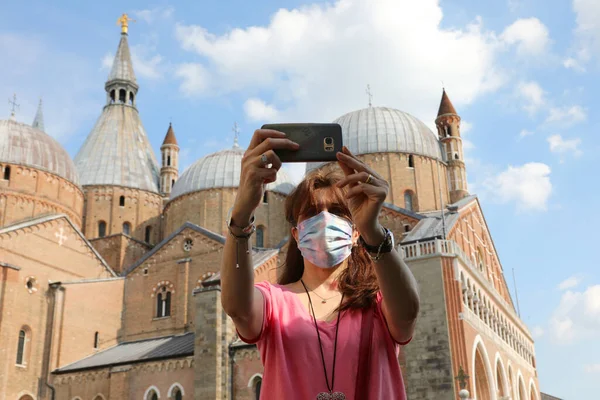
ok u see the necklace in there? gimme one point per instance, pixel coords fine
(324, 300)
(330, 395)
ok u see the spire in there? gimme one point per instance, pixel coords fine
(170, 137)
(368, 92)
(122, 68)
(38, 121)
(236, 135)
(446, 106)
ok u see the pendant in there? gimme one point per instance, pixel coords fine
(331, 396)
(323, 301)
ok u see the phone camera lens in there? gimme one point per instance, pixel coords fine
(329, 140)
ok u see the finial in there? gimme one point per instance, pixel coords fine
(124, 22)
(14, 106)
(462, 378)
(236, 135)
(368, 91)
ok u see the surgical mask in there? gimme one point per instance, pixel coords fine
(325, 240)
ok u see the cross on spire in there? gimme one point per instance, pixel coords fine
(368, 91)
(14, 105)
(236, 134)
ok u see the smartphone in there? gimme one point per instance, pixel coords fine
(318, 142)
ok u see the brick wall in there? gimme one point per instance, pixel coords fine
(141, 209)
(120, 251)
(31, 192)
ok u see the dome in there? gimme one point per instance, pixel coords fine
(386, 130)
(22, 144)
(222, 170)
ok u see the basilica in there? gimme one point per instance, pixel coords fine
(109, 261)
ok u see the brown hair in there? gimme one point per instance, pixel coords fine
(316, 192)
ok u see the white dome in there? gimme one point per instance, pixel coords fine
(386, 130)
(26, 145)
(222, 170)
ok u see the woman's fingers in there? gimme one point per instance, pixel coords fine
(351, 162)
(268, 159)
(272, 143)
(375, 192)
(261, 134)
(358, 178)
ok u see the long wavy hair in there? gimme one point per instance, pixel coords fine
(318, 191)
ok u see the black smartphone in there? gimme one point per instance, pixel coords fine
(318, 142)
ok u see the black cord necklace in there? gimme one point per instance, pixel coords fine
(331, 395)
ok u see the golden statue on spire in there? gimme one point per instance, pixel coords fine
(124, 22)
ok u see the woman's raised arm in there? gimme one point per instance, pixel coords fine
(240, 300)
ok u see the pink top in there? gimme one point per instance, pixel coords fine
(290, 353)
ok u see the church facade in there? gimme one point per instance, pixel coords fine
(109, 262)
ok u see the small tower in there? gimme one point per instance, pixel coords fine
(169, 170)
(38, 120)
(448, 125)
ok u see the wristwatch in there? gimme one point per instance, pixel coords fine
(384, 247)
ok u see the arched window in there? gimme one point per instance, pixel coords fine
(257, 388)
(96, 340)
(177, 394)
(7, 173)
(411, 161)
(480, 259)
(122, 201)
(168, 161)
(112, 96)
(126, 228)
(122, 96)
(21, 347)
(154, 396)
(172, 183)
(148, 234)
(131, 98)
(163, 303)
(260, 236)
(101, 229)
(408, 200)
(265, 197)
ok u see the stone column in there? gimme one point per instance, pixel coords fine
(210, 347)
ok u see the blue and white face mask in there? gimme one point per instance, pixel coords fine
(325, 240)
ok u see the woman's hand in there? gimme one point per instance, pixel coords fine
(259, 167)
(366, 194)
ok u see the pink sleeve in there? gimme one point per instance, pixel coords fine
(380, 311)
(265, 288)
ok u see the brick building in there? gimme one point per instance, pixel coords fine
(109, 284)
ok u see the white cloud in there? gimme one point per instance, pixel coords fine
(528, 186)
(577, 316)
(572, 63)
(314, 62)
(592, 368)
(145, 63)
(566, 116)
(569, 283)
(532, 95)
(465, 132)
(525, 132)
(153, 14)
(588, 28)
(195, 76)
(258, 110)
(565, 146)
(530, 36)
(537, 332)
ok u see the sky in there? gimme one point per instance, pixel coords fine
(523, 75)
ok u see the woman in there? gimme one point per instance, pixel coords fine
(332, 326)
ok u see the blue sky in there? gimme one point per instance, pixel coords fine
(523, 76)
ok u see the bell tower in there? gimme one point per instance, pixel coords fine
(448, 126)
(169, 171)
